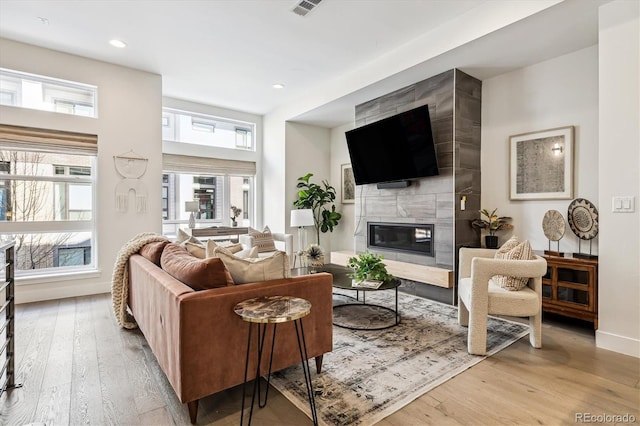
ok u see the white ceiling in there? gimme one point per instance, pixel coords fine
(228, 53)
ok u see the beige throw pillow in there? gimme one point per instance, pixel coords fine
(254, 270)
(514, 250)
(197, 250)
(248, 253)
(263, 240)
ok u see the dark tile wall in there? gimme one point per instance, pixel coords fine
(454, 100)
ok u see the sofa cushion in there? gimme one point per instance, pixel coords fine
(514, 250)
(255, 269)
(153, 251)
(263, 239)
(199, 274)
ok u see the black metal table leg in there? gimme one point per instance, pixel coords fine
(302, 347)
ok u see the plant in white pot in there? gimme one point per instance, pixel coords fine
(368, 266)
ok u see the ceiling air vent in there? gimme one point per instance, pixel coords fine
(303, 7)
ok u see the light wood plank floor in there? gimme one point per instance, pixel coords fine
(79, 367)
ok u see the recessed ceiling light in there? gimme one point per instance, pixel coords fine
(117, 43)
(43, 21)
(278, 86)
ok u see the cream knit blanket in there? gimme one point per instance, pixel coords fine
(120, 279)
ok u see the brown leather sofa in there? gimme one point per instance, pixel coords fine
(200, 343)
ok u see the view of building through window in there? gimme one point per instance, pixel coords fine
(48, 94)
(200, 129)
(215, 196)
(46, 206)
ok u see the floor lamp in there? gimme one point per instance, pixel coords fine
(301, 218)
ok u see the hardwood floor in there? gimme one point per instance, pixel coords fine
(78, 367)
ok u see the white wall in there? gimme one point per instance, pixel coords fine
(619, 273)
(308, 151)
(556, 93)
(129, 108)
(343, 237)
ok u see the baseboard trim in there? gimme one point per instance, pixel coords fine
(616, 343)
(58, 290)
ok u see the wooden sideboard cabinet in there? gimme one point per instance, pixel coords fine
(570, 288)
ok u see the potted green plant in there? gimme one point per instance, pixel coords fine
(235, 212)
(492, 223)
(320, 199)
(368, 266)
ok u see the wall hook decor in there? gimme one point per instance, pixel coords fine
(131, 166)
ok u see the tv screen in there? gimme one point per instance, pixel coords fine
(395, 148)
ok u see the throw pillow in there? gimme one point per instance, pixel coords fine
(199, 274)
(184, 237)
(514, 250)
(231, 250)
(198, 250)
(255, 270)
(263, 240)
(153, 251)
(229, 245)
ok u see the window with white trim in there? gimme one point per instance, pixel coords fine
(33, 91)
(215, 184)
(202, 129)
(47, 190)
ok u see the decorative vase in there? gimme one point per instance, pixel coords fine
(234, 223)
(491, 241)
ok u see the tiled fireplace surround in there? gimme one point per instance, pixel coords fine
(454, 100)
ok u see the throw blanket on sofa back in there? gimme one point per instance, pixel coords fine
(120, 278)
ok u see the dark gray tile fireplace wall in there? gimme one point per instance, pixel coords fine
(454, 100)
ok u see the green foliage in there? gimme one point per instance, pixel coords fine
(320, 199)
(493, 222)
(368, 265)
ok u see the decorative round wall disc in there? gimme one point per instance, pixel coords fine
(583, 218)
(553, 225)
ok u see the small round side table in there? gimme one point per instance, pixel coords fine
(267, 310)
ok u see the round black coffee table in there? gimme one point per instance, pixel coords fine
(342, 281)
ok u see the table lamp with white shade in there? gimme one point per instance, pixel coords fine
(192, 206)
(301, 218)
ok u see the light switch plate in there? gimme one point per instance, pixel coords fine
(623, 204)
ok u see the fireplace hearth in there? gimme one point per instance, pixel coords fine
(416, 238)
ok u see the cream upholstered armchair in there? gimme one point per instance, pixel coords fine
(479, 296)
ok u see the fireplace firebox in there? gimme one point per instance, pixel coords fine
(416, 238)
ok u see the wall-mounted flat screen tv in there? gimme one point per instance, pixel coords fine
(395, 148)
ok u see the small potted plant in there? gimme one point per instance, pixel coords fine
(368, 266)
(235, 212)
(492, 223)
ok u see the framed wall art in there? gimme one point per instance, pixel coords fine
(348, 184)
(541, 165)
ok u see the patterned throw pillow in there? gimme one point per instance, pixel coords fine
(514, 250)
(263, 240)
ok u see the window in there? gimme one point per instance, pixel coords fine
(201, 129)
(47, 199)
(215, 195)
(45, 93)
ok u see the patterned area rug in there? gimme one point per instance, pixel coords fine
(371, 374)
